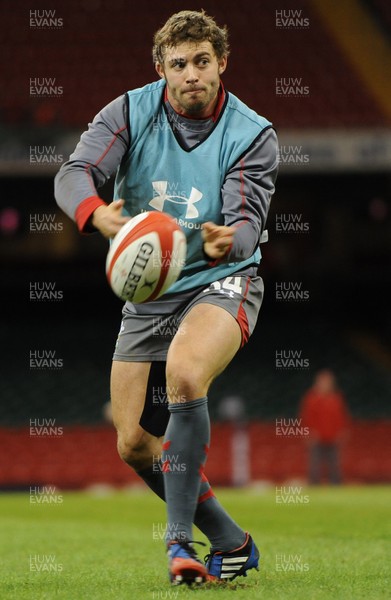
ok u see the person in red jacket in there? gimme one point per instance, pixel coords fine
(324, 411)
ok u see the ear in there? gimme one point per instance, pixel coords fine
(222, 64)
(159, 70)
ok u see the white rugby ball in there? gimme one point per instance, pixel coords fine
(146, 257)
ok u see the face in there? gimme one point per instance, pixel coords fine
(325, 381)
(192, 73)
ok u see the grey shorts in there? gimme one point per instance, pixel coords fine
(148, 329)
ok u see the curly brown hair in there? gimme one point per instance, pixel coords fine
(190, 26)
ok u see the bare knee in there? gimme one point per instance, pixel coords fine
(136, 450)
(185, 381)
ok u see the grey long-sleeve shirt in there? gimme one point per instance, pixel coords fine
(246, 192)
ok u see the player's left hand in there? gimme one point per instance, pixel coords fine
(218, 239)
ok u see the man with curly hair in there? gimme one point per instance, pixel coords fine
(186, 146)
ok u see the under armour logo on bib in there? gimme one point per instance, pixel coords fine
(158, 201)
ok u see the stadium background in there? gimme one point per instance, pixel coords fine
(333, 194)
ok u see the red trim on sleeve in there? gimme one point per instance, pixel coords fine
(109, 146)
(85, 210)
(243, 197)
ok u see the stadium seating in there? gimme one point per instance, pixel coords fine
(95, 56)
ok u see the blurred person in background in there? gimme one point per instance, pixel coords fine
(324, 411)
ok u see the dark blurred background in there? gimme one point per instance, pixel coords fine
(321, 74)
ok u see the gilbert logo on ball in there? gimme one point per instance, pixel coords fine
(146, 257)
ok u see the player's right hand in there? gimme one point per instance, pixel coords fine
(109, 219)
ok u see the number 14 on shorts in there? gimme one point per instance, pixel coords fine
(230, 285)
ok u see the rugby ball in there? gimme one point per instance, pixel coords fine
(146, 257)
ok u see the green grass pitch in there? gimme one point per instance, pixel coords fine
(82, 546)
